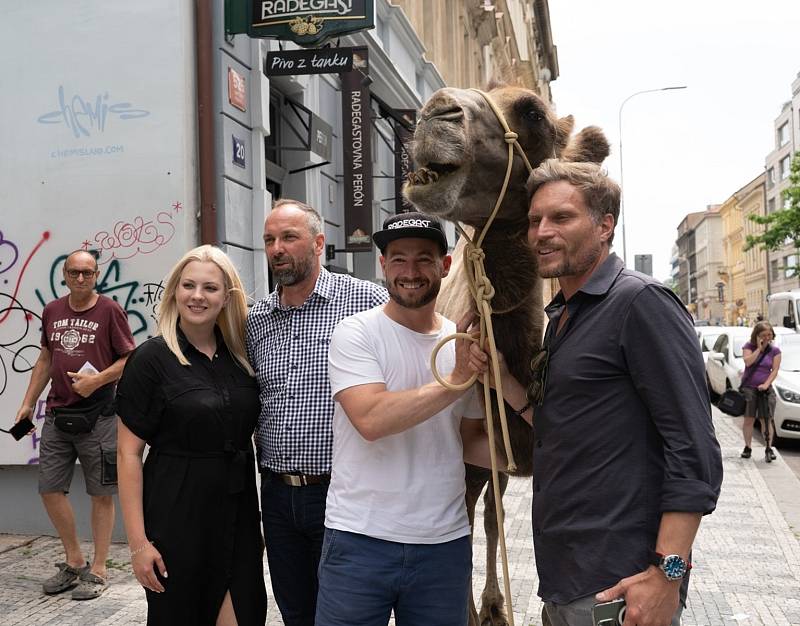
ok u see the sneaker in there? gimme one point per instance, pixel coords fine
(91, 586)
(769, 455)
(746, 452)
(65, 579)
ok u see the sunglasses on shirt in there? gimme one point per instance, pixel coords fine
(539, 366)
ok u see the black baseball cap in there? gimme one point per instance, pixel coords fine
(412, 224)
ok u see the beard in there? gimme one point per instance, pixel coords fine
(298, 270)
(575, 264)
(415, 301)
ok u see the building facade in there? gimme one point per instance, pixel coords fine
(686, 257)
(751, 199)
(777, 168)
(183, 137)
(709, 262)
(731, 272)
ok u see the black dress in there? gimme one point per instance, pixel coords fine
(200, 501)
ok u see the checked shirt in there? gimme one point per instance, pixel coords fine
(288, 348)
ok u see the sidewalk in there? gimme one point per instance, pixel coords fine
(746, 558)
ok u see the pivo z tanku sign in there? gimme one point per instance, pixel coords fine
(309, 22)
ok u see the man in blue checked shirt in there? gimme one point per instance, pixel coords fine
(288, 333)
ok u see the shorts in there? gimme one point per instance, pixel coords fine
(751, 401)
(96, 450)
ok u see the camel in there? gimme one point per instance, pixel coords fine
(461, 158)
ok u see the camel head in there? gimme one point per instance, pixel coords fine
(461, 154)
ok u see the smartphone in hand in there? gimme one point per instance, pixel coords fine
(609, 613)
(20, 429)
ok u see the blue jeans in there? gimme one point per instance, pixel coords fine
(294, 527)
(361, 579)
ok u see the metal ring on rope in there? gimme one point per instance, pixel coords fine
(482, 290)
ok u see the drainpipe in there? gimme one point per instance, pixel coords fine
(205, 121)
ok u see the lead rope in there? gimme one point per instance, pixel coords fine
(482, 292)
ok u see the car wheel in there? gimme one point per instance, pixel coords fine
(713, 395)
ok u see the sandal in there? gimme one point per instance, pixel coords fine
(91, 586)
(65, 579)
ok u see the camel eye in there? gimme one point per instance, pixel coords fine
(533, 115)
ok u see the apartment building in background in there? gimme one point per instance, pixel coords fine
(751, 199)
(777, 168)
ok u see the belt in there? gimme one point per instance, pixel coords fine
(300, 480)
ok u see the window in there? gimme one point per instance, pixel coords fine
(773, 270)
(771, 205)
(770, 177)
(785, 167)
(783, 134)
(787, 201)
(789, 263)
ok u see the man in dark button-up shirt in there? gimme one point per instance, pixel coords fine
(626, 461)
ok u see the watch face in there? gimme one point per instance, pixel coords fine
(674, 567)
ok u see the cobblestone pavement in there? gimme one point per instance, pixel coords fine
(747, 559)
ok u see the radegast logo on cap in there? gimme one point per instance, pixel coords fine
(411, 223)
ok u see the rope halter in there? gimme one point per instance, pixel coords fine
(482, 292)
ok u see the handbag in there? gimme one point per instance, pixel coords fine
(79, 420)
(733, 402)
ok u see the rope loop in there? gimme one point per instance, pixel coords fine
(510, 137)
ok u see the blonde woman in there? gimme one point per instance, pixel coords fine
(191, 511)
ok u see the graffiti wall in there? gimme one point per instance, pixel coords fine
(97, 124)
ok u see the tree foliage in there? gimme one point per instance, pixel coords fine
(781, 226)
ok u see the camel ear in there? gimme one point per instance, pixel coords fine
(564, 127)
(588, 145)
(495, 83)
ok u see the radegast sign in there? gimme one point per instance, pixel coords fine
(305, 22)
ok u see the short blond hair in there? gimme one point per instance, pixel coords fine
(231, 319)
(600, 193)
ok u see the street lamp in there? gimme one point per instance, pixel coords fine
(621, 185)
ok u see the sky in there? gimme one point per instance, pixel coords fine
(682, 149)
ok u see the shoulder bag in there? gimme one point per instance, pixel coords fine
(733, 402)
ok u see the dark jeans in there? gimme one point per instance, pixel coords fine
(294, 527)
(361, 579)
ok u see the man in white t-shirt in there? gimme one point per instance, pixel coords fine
(396, 527)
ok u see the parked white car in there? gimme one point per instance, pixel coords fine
(725, 366)
(707, 335)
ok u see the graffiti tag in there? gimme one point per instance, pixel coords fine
(127, 239)
(84, 116)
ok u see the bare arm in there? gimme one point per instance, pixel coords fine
(129, 468)
(475, 440)
(650, 597)
(750, 356)
(40, 376)
(776, 365)
(514, 394)
(86, 384)
(376, 413)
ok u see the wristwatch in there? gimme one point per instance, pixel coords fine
(673, 566)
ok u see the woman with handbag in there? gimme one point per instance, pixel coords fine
(762, 361)
(191, 513)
